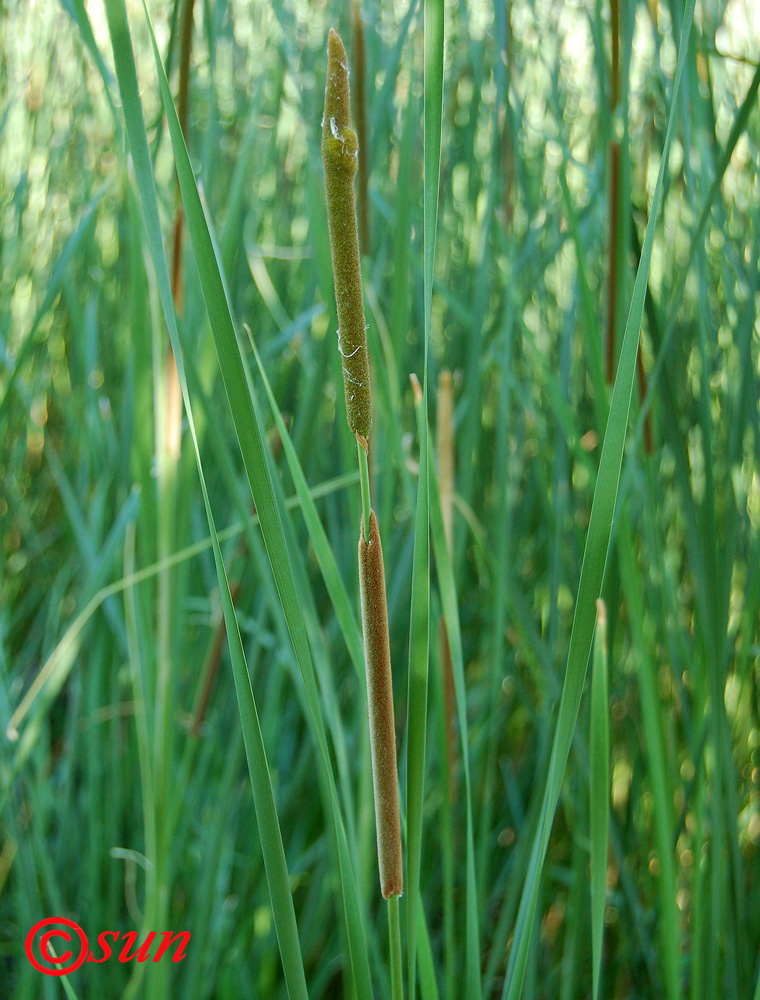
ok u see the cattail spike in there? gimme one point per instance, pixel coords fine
(340, 155)
(382, 730)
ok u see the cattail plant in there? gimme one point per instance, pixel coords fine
(340, 155)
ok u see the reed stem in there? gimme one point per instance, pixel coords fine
(394, 934)
(364, 485)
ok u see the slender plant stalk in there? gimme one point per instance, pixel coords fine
(364, 485)
(445, 467)
(394, 934)
(183, 102)
(340, 155)
(599, 792)
(445, 457)
(446, 454)
(612, 274)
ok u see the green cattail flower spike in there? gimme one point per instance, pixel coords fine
(382, 729)
(340, 156)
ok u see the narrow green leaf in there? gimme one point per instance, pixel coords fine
(599, 791)
(263, 795)
(419, 646)
(428, 984)
(419, 626)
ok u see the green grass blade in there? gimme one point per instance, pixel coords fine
(594, 559)
(419, 647)
(433, 112)
(419, 628)
(266, 813)
(599, 791)
(428, 984)
(394, 946)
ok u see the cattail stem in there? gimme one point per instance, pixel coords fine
(382, 730)
(364, 485)
(394, 934)
(340, 155)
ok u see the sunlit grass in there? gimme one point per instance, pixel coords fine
(122, 804)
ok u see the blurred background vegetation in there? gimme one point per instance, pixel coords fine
(134, 738)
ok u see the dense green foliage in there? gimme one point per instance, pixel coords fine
(131, 797)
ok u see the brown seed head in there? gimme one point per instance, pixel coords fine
(382, 731)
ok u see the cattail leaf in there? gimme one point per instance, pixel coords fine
(419, 625)
(599, 791)
(428, 984)
(261, 785)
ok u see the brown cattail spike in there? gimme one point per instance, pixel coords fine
(382, 730)
(340, 156)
